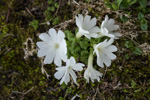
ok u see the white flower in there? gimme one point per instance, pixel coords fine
(104, 53)
(90, 72)
(64, 71)
(86, 26)
(53, 47)
(108, 28)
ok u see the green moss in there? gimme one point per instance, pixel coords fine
(18, 74)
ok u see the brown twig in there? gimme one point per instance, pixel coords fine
(58, 8)
(29, 12)
(105, 73)
(22, 97)
(22, 93)
(7, 15)
(43, 70)
(76, 2)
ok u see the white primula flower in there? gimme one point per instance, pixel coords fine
(108, 28)
(86, 26)
(104, 52)
(53, 46)
(64, 71)
(90, 72)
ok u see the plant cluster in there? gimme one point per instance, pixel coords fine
(140, 6)
(50, 12)
(55, 48)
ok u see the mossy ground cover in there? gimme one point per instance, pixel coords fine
(20, 69)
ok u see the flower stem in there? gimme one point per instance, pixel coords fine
(78, 35)
(90, 60)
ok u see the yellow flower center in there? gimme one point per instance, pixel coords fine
(56, 45)
(69, 67)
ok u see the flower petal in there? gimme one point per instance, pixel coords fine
(63, 50)
(80, 18)
(111, 22)
(43, 51)
(78, 67)
(52, 33)
(111, 48)
(57, 59)
(104, 23)
(116, 27)
(50, 57)
(78, 22)
(63, 56)
(110, 54)
(106, 60)
(60, 36)
(73, 75)
(94, 30)
(100, 61)
(117, 34)
(65, 78)
(110, 42)
(45, 37)
(87, 19)
(41, 44)
(86, 76)
(59, 74)
(82, 31)
(92, 23)
(94, 35)
(72, 60)
(86, 22)
(105, 32)
(63, 46)
(106, 17)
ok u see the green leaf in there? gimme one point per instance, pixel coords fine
(34, 24)
(148, 90)
(52, 9)
(50, 1)
(49, 17)
(84, 53)
(137, 51)
(115, 7)
(84, 44)
(119, 2)
(47, 12)
(126, 56)
(69, 35)
(64, 85)
(84, 59)
(106, 1)
(76, 30)
(144, 24)
(56, 5)
(77, 50)
(132, 2)
(143, 3)
(109, 5)
(124, 18)
(69, 90)
(56, 21)
(144, 27)
(61, 98)
(128, 44)
(133, 84)
(140, 16)
(124, 5)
